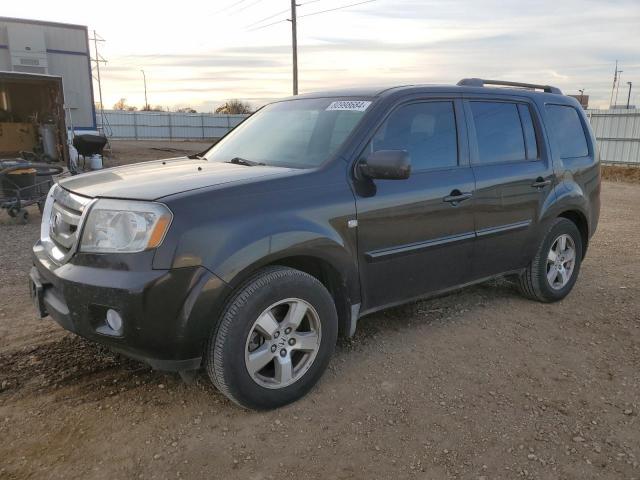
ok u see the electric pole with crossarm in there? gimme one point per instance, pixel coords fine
(294, 44)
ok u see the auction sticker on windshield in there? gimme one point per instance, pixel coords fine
(351, 105)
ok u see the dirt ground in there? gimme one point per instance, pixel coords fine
(130, 151)
(481, 384)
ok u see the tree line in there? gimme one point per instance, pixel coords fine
(230, 107)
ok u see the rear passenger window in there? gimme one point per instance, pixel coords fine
(566, 129)
(426, 130)
(499, 132)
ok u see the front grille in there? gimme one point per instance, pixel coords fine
(62, 220)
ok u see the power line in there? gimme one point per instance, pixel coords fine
(267, 25)
(337, 8)
(267, 18)
(229, 7)
(307, 14)
(307, 3)
(279, 13)
(242, 9)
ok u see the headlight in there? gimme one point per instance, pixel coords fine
(124, 226)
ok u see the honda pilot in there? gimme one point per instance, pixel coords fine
(251, 258)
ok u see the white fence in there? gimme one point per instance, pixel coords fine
(618, 135)
(617, 131)
(166, 125)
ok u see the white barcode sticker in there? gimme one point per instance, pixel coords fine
(351, 105)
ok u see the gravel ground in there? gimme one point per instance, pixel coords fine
(480, 384)
(130, 151)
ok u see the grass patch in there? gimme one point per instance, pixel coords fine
(621, 173)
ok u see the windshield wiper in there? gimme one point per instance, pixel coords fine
(196, 156)
(244, 161)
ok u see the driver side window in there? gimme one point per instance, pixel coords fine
(426, 130)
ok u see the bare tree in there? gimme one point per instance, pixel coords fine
(234, 106)
(122, 105)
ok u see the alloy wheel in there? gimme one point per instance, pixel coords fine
(561, 261)
(283, 343)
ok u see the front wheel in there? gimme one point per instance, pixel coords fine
(554, 270)
(274, 340)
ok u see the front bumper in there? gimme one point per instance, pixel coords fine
(167, 314)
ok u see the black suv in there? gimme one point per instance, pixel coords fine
(252, 257)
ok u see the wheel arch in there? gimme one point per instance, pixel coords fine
(569, 201)
(333, 276)
(580, 220)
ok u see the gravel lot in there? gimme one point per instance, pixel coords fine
(480, 384)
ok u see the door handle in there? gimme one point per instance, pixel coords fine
(456, 196)
(540, 182)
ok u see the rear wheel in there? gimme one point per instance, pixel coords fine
(274, 340)
(554, 270)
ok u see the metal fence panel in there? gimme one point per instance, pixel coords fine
(617, 131)
(618, 135)
(166, 126)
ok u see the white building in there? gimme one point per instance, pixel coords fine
(60, 49)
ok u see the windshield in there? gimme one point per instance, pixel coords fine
(294, 133)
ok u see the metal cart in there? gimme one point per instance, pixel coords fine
(24, 183)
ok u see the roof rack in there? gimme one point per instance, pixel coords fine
(481, 82)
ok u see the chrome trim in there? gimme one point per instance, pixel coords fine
(386, 253)
(62, 220)
(483, 232)
(407, 249)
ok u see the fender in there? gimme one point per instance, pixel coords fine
(567, 195)
(236, 260)
(251, 226)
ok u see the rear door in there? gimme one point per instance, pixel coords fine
(514, 176)
(415, 236)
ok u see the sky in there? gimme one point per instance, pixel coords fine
(200, 54)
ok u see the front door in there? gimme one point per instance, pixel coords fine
(513, 176)
(415, 236)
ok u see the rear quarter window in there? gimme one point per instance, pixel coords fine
(566, 129)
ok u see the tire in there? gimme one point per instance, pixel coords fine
(241, 343)
(539, 281)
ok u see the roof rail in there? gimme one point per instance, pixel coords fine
(481, 82)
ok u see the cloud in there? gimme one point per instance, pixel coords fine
(571, 43)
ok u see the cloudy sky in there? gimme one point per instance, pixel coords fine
(201, 53)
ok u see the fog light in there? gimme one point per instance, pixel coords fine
(114, 320)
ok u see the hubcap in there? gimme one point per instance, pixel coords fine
(561, 261)
(283, 343)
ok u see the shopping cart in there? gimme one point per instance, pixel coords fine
(24, 183)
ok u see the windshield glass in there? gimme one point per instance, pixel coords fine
(294, 133)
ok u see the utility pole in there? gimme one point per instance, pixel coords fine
(294, 43)
(618, 87)
(146, 103)
(629, 95)
(98, 60)
(581, 97)
(615, 80)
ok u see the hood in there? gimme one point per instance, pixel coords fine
(156, 179)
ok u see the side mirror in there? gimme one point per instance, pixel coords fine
(386, 165)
